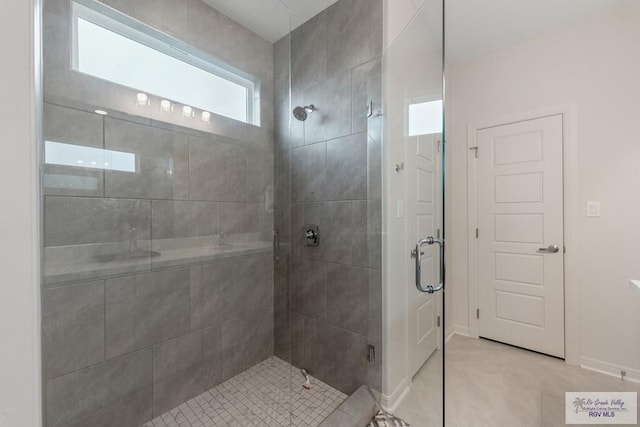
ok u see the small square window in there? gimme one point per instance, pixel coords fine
(425, 118)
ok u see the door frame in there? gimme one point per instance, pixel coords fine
(570, 214)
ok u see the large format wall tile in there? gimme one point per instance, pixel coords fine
(367, 229)
(222, 37)
(296, 127)
(63, 124)
(76, 221)
(246, 340)
(162, 159)
(354, 33)
(166, 15)
(298, 340)
(308, 53)
(348, 298)
(335, 221)
(335, 356)
(217, 171)
(177, 219)
(76, 129)
(308, 173)
(176, 372)
(226, 290)
(375, 306)
(309, 287)
(237, 218)
(335, 183)
(187, 188)
(347, 168)
(281, 68)
(73, 327)
(282, 303)
(282, 207)
(332, 98)
(114, 393)
(260, 177)
(374, 138)
(366, 87)
(146, 309)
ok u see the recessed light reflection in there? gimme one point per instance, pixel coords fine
(142, 99)
(101, 112)
(187, 111)
(206, 116)
(165, 105)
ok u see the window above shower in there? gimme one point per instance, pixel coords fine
(163, 73)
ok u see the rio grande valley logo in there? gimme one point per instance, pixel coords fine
(601, 408)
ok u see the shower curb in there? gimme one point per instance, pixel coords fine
(356, 411)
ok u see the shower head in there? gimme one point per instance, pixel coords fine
(302, 113)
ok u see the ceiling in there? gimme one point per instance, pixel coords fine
(474, 27)
(270, 19)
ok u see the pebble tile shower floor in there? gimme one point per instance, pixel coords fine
(267, 394)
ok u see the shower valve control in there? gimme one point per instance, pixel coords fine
(311, 233)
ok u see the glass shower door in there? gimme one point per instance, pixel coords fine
(413, 167)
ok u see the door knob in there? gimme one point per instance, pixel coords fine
(551, 249)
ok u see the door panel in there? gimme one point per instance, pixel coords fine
(423, 218)
(520, 210)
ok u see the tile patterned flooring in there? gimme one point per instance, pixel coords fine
(489, 384)
(267, 394)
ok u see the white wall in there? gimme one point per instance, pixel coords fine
(19, 231)
(596, 67)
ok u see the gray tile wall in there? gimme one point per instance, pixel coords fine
(129, 333)
(190, 21)
(328, 173)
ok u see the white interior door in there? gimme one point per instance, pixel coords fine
(423, 219)
(520, 219)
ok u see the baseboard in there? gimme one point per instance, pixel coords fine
(461, 330)
(450, 333)
(611, 369)
(390, 402)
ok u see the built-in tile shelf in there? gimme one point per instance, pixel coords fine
(65, 264)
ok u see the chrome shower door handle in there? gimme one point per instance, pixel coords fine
(430, 289)
(551, 249)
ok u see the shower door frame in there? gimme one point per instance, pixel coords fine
(21, 248)
(393, 256)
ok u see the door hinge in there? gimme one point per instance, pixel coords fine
(475, 151)
(438, 146)
(477, 233)
(438, 321)
(477, 313)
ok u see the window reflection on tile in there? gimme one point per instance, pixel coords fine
(59, 153)
(72, 182)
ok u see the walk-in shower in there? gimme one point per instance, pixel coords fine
(182, 282)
